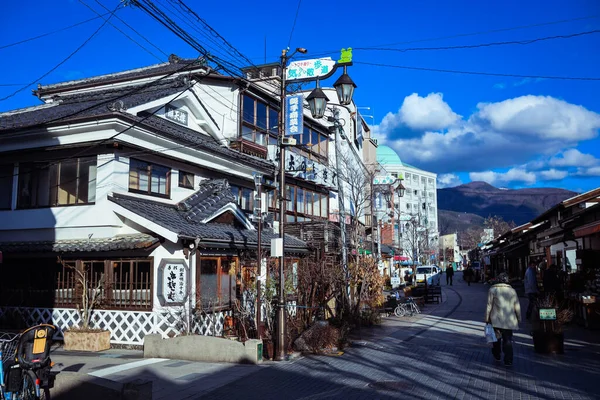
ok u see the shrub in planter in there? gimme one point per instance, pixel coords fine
(548, 336)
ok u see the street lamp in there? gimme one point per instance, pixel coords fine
(317, 101)
(344, 87)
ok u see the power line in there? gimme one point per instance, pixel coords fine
(294, 25)
(460, 35)
(567, 78)
(64, 60)
(123, 33)
(473, 46)
(53, 32)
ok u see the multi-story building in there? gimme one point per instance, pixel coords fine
(146, 179)
(412, 220)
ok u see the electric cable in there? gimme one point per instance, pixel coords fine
(294, 25)
(123, 33)
(473, 46)
(64, 60)
(567, 78)
(53, 32)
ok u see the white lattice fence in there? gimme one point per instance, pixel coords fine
(126, 327)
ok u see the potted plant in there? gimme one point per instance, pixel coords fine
(84, 337)
(549, 321)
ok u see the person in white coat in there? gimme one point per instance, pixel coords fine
(504, 313)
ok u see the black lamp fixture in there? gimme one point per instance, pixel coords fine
(344, 87)
(401, 190)
(317, 102)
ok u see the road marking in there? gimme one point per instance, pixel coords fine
(125, 367)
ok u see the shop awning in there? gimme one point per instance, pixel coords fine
(587, 230)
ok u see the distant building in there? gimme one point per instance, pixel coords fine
(418, 206)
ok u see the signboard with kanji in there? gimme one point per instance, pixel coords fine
(173, 277)
(306, 69)
(294, 115)
(548, 314)
(175, 114)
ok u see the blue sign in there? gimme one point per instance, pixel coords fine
(294, 116)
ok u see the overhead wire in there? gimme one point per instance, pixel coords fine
(477, 33)
(567, 78)
(294, 24)
(473, 46)
(64, 60)
(134, 30)
(53, 32)
(123, 33)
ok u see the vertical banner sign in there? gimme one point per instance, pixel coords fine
(359, 131)
(294, 116)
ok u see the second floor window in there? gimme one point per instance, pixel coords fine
(6, 186)
(260, 122)
(148, 178)
(58, 183)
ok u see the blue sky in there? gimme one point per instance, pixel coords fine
(509, 131)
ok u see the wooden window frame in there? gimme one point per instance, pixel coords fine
(182, 183)
(52, 179)
(198, 279)
(149, 192)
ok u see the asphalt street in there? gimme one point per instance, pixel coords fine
(440, 354)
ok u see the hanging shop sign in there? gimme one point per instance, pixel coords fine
(294, 115)
(173, 278)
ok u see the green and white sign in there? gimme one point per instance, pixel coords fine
(307, 69)
(548, 314)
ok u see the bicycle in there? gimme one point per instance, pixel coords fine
(408, 307)
(25, 364)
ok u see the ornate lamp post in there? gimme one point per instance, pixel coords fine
(317, 102)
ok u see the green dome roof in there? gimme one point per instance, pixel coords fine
(387, 156)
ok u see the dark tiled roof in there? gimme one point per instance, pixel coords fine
(119, 242)
(173, 218)
(88, 104)
(180, 133)
(210, 197)
(174, 65)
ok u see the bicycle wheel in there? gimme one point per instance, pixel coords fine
(400, 311)
(28, 391)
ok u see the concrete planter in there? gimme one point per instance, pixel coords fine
(203, 348)
(87, 341)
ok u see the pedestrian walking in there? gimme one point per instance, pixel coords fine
(531, 287)
(504, 313)
(468, 275)
(449, 274)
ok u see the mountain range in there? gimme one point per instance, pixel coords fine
(468, 205)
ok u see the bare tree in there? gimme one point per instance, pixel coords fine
(499, 225)
(91, 292)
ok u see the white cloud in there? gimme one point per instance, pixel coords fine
(421, 114)
(499, 135)
(499, 86)
(540, 116)
(593, 171)
(553, 175)
(448, 180)
(500, 178)
(573, 158)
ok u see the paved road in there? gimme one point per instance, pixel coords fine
(440, 354)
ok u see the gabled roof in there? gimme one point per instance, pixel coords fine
(183, 219)
(211, 196)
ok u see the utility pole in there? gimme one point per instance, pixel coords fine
(340, 185)
(280, 348)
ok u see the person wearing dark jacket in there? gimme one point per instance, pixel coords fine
(449, 274)
(468, 275)
(551, 281)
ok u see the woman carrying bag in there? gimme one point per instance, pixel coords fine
(504, 313)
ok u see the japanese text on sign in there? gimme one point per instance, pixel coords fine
(173, 282)
(304, 69)
(176, 115)
(548, 314)
(294, 116)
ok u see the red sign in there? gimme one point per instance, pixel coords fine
(400, 258)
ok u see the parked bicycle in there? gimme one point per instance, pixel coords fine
(407, 307)
(25, 365)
